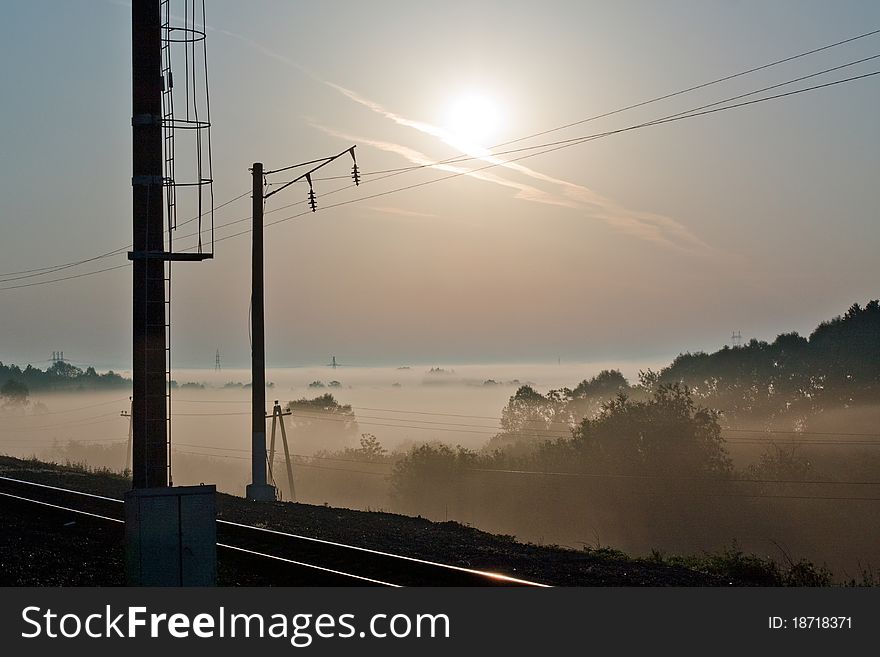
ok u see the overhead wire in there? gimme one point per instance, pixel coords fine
(555, 146)
(564, 474)
(74, 424)
(567, 143)
(51, 269)
(697, 87)
(549, 434)
(496, 418)
(44, 271)
(456, 159)
(69, 410)
(46, 442)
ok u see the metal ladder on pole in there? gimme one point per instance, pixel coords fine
(168, 183)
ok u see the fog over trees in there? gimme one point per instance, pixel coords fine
(763, 442)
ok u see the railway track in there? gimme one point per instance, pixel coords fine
(288, 559)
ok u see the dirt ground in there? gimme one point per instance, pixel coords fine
(49, 548)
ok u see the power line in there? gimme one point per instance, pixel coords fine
(63, 278)
(71, 410)
(578, 474)
(57, 441)
(695, 87)
(73, 424)
(18, 275)
(575, 141)
(304, 465)
(301, 456)
(208, 414)
(549, 434)
(602, 475)
(560, 433)
(693, 112)
(391, 410)
(588, 475)
(52, 269)
(553, 146)
(805, 433)
(723, 429)
(559, 145)
(676, 114)
(782, 497)
(119, 252)
(635, 105)
(840, 498)
(44, 271)
(211, 401)
(82, 419)
(464, 158)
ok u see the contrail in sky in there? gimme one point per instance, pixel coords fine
(647, 226)
(644, 225)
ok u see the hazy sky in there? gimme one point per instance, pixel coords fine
(638, 245)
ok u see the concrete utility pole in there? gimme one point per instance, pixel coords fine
(149, 408)
(128, 446)
(170, 533)
(258, 490)
(278, 417)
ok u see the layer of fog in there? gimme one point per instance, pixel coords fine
(402, 406)
(461, 406)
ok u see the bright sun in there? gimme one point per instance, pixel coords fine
(474, 118)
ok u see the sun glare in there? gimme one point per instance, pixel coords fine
(474, 118)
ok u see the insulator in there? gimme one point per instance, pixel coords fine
(355, 175)
(313, 203)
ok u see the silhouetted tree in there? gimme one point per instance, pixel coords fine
(322, 422)
(14, 393)
(531, 418)
(668, 434)
(62, 376)
(369, 451)
(432, 475)
(792, 377)
(782, 462)
(588, 396)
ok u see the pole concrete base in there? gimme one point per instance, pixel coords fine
(171, 536)
(261, 493)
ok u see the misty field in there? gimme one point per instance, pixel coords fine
(639, 460)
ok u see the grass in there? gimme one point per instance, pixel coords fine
(738, 566)
(73, 467)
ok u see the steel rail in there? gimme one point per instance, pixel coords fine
(498, 577)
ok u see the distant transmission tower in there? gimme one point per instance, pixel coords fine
(736, 339)
(217, 367)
